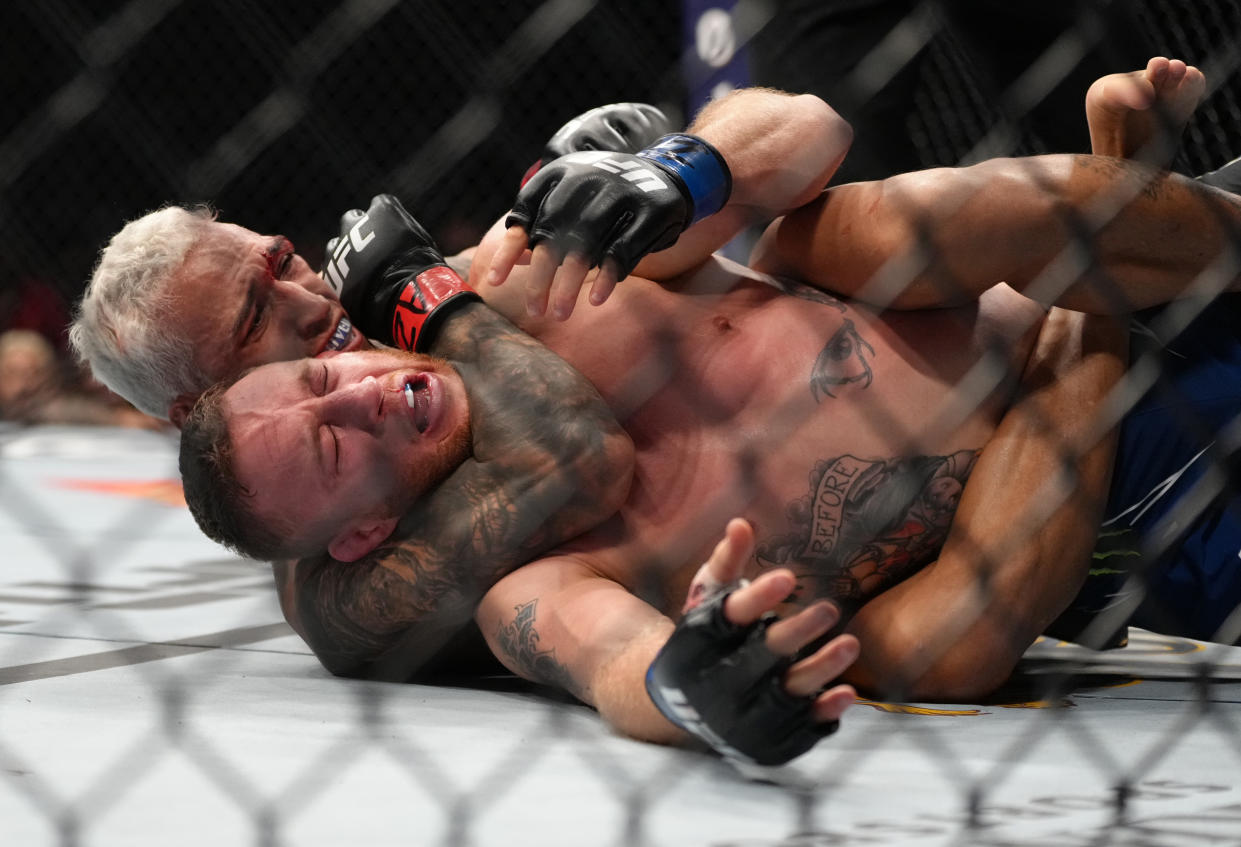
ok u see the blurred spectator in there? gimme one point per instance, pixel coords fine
(34, 304)
(28, 372)
(36, 388)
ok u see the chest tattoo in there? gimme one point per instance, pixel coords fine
(867, 524)
(844, 361)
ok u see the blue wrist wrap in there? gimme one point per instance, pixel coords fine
(698, 166)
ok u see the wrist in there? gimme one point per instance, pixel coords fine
(423, 302)
(699, 169)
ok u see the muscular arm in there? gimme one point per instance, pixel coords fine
(558, 623)
(781, 149)
(1019, 547)
(549, 461)
(1085, 232)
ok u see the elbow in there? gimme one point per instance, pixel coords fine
(795, 144)
(907, 667)
(822, 138)
(825, 130)
(965, 680)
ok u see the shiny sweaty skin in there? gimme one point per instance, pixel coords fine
(745, 401)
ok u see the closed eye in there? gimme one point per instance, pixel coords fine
(330, 455)
(323, 383)
(259, 322)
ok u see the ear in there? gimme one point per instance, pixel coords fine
(180, 410)
(359, 538)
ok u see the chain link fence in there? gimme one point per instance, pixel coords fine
(284, 115)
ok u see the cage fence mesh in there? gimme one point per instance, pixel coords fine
(284, 115)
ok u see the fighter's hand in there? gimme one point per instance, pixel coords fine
(606, 210)
(390, 276)
(618, 127)
(747, 604)
(727, 674)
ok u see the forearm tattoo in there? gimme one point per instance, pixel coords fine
(867, 524)
(544, 469)
(519, 641)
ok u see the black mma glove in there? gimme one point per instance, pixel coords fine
(620, 205)
(390, 276)
(719, 682)
(619, 127)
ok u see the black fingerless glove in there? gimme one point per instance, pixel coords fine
(719, 682)
(390, 276)
(623, 206)
(618, 127)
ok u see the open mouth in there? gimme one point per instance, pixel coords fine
(418, 398)
(340, 336)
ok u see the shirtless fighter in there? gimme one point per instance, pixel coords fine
(722, 431)
(179, 300)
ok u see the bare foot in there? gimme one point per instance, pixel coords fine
(1141, 114)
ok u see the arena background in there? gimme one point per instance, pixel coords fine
(149, 692)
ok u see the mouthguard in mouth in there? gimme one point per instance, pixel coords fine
(416, 398)
(340, 337)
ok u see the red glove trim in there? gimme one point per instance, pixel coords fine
(418, 301)
(530, 171)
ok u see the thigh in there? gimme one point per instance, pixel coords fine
(1172, 515)
(1198, 582)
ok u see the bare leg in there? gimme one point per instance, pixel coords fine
(1141, 114)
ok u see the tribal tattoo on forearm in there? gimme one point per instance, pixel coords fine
(519, 641)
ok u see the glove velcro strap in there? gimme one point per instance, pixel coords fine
(421, 304)
(698, 166)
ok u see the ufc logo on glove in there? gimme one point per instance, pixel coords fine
(638, 173)
(337, 267)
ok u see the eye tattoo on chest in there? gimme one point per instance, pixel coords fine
(844, 361)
